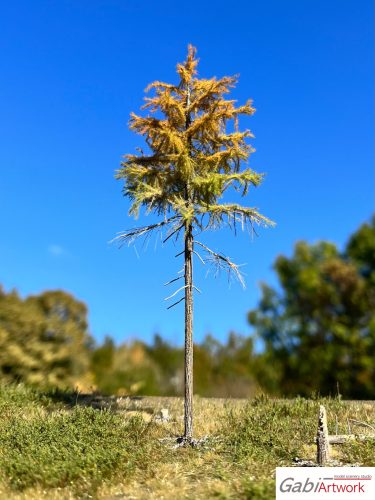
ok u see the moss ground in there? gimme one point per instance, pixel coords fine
(64, 445)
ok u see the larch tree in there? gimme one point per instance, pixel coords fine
(191, 161)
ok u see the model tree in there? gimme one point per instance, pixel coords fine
(191, 161)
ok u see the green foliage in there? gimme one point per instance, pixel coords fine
(319, 329)
(102, 362)
(44, 343)
(361, 250)
(225, 370)
(43, 338)
(267, 433)
(258, 490)
(21, 398)
(46, 444)
(360, 451)
(169, 361)
(127, 369)
(260, 430)
(56, 449)
(220, 369)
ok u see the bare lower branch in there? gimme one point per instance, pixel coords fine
(175, 231)
(174, 279)
(176, 292)
(222, 263)
(175, 304)
(129, 236)
(199, 257)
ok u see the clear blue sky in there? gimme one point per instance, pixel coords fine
(71, 72)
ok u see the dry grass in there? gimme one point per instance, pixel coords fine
(247, 441)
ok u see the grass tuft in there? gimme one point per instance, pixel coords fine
(79, 448)
(52, 445)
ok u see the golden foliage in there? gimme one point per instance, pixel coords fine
(193, 158)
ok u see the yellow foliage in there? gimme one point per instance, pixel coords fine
(193, 159)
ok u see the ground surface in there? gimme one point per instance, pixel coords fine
(64, 445)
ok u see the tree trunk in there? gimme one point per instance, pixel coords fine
(188, 419)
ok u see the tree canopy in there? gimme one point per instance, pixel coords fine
(319, 327)
(195, 153)
(43, 339)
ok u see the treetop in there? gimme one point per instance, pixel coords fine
(192, 158)
(195, 153)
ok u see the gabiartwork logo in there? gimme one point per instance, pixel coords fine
(295, 483)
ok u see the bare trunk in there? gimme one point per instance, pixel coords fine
(322, 439)
(188, 417)
(188, 420)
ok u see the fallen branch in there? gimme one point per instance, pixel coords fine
(362, 424)
(323, 440)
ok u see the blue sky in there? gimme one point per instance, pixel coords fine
(72, 71)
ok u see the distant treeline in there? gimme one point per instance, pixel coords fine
(317, 331)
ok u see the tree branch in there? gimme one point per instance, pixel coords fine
(129, 236)
(176, 292)
(363, 424)
(199, 257)
(223, 262)
(174, 279)
(175, 304)
(177, 230)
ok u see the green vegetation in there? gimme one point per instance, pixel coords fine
(266, 434)
(46, 444)
(318, 331)
(55, 445)
(44, 342)
(44, 339)
(220, 369)
(319, 328)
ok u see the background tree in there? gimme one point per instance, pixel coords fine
(44, 342)
(361, 251)
(128, 369)
(43, 339)
(319, 329)
(192, 160)
(102, 362)
(225, 370)
(134, 368)
(169, 359)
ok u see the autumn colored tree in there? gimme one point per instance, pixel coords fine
(192, 159)
(44, 339)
